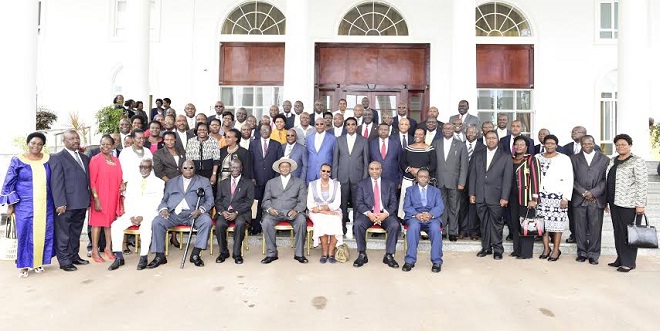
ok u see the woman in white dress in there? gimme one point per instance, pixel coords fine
(323, 202)
(554, 195)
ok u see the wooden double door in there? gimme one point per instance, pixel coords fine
(386, 74)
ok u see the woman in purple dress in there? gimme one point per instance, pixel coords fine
(27, 192)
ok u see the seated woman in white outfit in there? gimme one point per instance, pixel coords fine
(323, 200)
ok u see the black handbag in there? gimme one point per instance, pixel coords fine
(530, 225)
(643, 235)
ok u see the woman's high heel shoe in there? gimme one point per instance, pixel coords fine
(544, 255)
(553, 259)
(24, 273)
(109, 255)
(97, 258)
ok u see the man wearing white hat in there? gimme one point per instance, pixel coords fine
(285, 199)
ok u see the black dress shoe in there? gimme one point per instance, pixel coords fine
(222, 257)
(497, 256)
(143, 263)
(513, 254)
(80, 261)
(509, 237)
(68, 267)
(361, 260)
(268, 259)
(580, 259)
(623, 269)
(593, 261)
(238, 260)
(157, 261)
(453, 238)
(116, 264)
(301, 259)
(196, 260)
(484, 252)
(570, 240)
(615, 264)
(436, 268)
(407, 267)
(389, 260)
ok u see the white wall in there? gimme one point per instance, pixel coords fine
(77, 56)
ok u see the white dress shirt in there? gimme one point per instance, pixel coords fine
(501, 133)
(589, 156)
(318, 139)
(285, 180)
(350, 140)
(446, 145)
(430, 135)
(489, 156)
(337, 131)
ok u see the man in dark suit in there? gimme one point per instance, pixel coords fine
(491, 174)
(502, 126)
(402, 112)
(466, 118)
(233, 203)
(423, 207)
(432, 132)
(297, 152)
(485, 128)
(285, 199)
(367, 109)
(589, 199)
(290, 118)
(451, 173)
(433, 112)
(71, 196)
(369, 128)
(506, 143)
(569, 149)
(539, 148)
(219, 109)
(350, 158)
(319, 109)
(338, 128)
(376, 204)
(403, 134)
(264, 152)
(468, 222)
(179, 206)
(182, 133)
(387, 152)
(319, 146)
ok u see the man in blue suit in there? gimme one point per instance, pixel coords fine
(264, 152)
(320, 146)
(297, 152)
(423, 207)
(376, 204)
(179, 206)
(71, 196)
(389, 156)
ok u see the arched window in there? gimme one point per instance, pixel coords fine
(255, 17)
(496, 19)
(373, 19)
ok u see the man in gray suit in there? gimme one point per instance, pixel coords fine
(285, 199)
(588, 202)
(451, 173)
(349, 165)
(466, 118)
(178, 207)
(297, 152)
(491, 173)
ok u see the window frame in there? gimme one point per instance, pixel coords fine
(276, 92)
(614, 21)
(531, 130)
(154, 20)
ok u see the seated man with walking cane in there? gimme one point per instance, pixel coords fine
(187, 200)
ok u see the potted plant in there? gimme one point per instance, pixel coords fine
(107, 119)
(45, 118)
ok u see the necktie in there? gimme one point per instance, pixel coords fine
(265, 143)
(79, 160)
(424, 196)
(470, 151)
(143, 186)
(366, 132)
(376, 197)
(405, 141)
(288, 151)
(233, 186)
(383, 150)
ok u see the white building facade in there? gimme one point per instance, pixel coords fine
(552, 64)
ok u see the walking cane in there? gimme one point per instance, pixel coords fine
(200, 195)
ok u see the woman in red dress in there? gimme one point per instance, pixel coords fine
(105, 178)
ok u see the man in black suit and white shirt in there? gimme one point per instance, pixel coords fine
(502, 124)
(485, 128)
(71, 196)
(182, 133)
(506, 143)
(369, 128)
(491, 173)
(365, 105)
(290, 118)
(466, 118)
(468, 222)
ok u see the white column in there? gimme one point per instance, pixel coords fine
(18, 81)
(136, 63)
(298, 55)
(463, 56)
(634, 93)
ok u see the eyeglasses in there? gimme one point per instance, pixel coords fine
(290, 135)
(219, 106)
(319, 124)
(188, 168)
(325, 171)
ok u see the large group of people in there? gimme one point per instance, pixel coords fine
(461, 180)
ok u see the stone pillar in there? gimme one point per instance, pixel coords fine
(298, 55)
(634, 92)
(136, 63)
(18, 81)
(463, 57)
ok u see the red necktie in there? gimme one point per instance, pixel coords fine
(366, 132)
(383, 151)
(376, 197)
